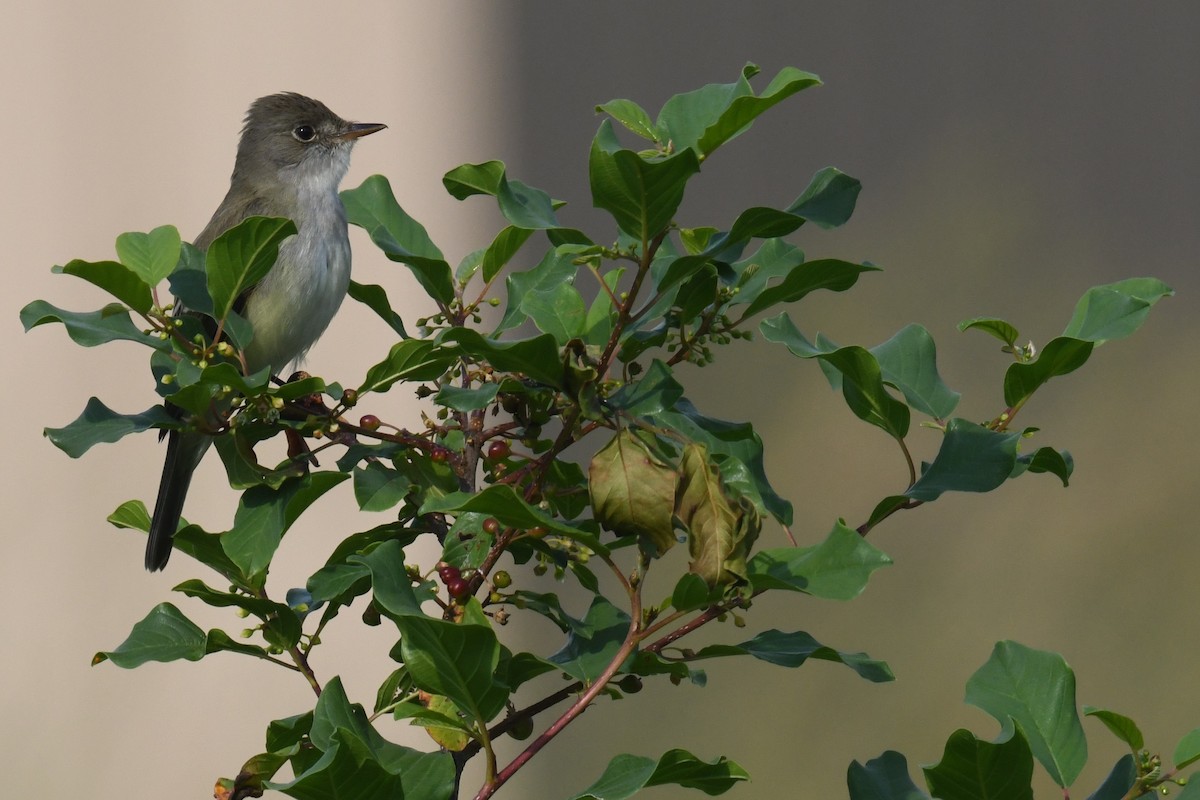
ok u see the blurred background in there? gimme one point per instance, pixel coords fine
(1011, 158)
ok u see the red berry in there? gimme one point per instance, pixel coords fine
(491, 526)
(439, 454)
(370, 422)
(458, 588)
(499, 449)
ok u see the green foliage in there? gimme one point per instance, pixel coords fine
(580, 363)
(626, 774)
(1032, 694)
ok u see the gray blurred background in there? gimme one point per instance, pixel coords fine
(1011, 158)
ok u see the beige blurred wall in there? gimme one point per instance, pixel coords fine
(124, 116)
(1010, 159)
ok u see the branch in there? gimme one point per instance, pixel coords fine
(628, 646)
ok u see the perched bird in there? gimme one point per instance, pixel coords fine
(292, 155)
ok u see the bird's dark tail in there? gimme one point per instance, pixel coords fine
(184, 451)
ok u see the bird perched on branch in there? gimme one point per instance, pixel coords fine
(292, 156)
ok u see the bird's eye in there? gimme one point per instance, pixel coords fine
(304, 133)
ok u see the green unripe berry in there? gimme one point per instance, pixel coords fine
(521, 729)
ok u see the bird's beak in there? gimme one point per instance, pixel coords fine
(358, 129)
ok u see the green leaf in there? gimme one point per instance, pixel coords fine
(152, 256)
(1036, 690)
(1119, 781)
(526, 207)
(711, 777)
(378, 487)
(995, 327)
(883, 778)
(641, 195)
(392, 588)
(633, 493)
(655, 392)
(1121, 726)
(1188, 749)
(502, 249)
(264, 516)
(131, 514)
(836, 569)
(829, 199)
(346, 770)
(410, 360)
(221, 642)
(861, 376)
(760, 223)
(116, 279)
(196, 389)
(189, 282)
(556, 267)
(625, 775)
(471, 179)
(685, 117)
(793, 649)
(909, 362)
(460, 399)
(241, 257)
(633, 117)
(696, 294)
(283, 734)
(864, 391)
(1115, 310)
(442, 720)
(774, 259)
(558, 311)
(91, 328)
(712, 115)
(970, 459)
(373, 207)
(356, 762)
(1047, 459)
(98, 423)
(281, 625)
(691, 592)
(537, 358)
(468, 265)
(972, 769)
(670, 269)
(457, 661)
(165, 634)
(823, 273)
(1059, 357)
(589, 649)
(338, 583)
(511, 510)
(549, 606)
(375, 298)
(522, 668)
